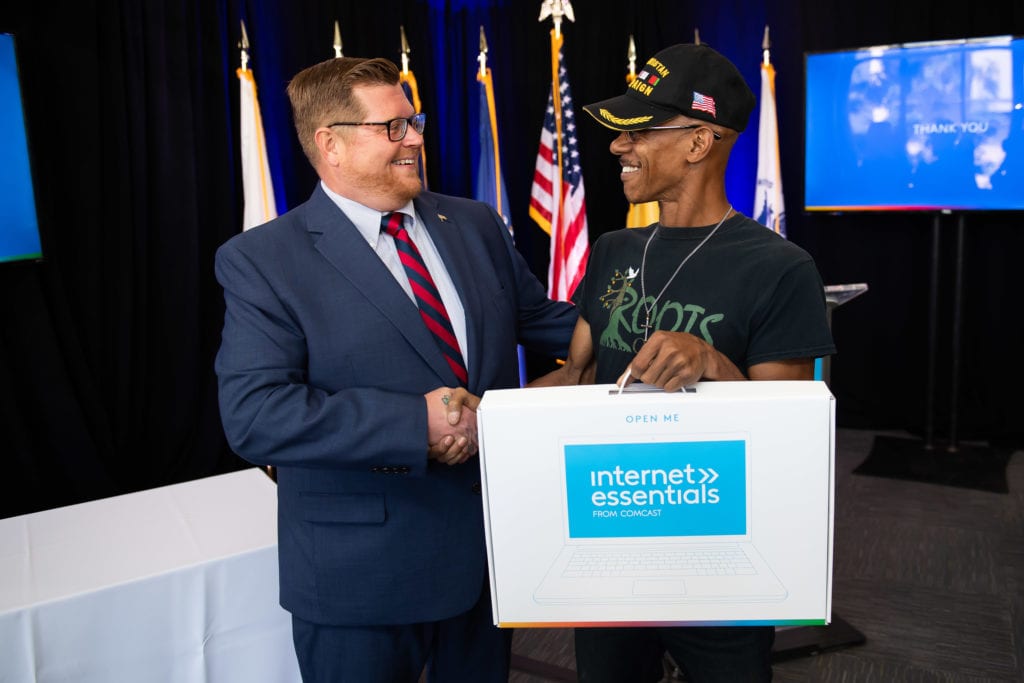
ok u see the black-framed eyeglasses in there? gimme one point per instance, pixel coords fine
(634, 135)
(397, 128)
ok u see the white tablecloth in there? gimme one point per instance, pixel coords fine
(175, 584)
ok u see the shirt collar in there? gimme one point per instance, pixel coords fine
(366, 220)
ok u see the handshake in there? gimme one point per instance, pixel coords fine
(451, 425)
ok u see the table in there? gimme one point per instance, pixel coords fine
(177, 583)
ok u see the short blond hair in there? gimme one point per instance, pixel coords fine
(322, 93)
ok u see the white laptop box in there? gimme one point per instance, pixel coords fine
(707, 507)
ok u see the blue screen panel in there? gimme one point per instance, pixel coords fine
(919, 126)
(19, 228)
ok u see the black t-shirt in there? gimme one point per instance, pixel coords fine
(748, 292)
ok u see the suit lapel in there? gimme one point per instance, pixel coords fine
(338, 240)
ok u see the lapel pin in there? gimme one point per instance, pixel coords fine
(444, 219)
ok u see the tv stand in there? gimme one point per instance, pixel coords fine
(947, 462)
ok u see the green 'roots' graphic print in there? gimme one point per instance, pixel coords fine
(625, 329)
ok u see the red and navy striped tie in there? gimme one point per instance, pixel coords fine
(428, 299)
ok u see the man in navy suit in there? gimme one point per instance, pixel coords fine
(328, 372)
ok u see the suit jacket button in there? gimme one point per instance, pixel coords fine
(476, 487)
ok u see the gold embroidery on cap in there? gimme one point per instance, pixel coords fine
(641, 87)
(658, 66)
(607, 115)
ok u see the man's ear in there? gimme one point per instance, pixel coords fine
(701, 143)
(328, 145)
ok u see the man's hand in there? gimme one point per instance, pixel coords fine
(672, 360)
(451, 425)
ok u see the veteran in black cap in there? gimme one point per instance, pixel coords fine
(704, 294)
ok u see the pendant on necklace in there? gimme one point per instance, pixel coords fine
(646, 327)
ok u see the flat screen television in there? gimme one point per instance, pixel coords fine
(19, 227)
(933, 126)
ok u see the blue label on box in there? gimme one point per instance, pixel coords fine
(690, 488)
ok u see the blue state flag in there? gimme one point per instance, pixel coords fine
(490, 184)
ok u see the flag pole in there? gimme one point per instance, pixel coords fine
(490, 186)
(337, 41)
(405, 51)
(482, 57)
(557, 201)
(556, 9)
(407, 75)
(638, 215)
(257, 186)
(408, 80)
(769, 205)
(243, 46)
(484, 77)
(258, 205)
(631, 60)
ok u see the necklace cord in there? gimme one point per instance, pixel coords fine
(643, 264)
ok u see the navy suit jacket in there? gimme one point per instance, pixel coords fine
(322, 368)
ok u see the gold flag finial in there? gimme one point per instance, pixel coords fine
(696, 36)
(556, 9)
(337, 40)
(405, 50)
(243, 45)
(766, 44)
(482, 57)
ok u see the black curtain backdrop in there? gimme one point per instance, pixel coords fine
(107, 346)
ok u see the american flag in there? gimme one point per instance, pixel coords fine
(557, 197)
(704, 103)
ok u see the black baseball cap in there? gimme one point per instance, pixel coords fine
(688, 79)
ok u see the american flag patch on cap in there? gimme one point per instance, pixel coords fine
(704, 103)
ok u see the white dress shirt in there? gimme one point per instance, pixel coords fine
(367, 222)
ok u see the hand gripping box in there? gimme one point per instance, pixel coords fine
(711, 506)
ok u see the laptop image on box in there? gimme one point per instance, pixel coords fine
(658, 521)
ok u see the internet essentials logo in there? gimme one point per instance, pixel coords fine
(693, 488)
